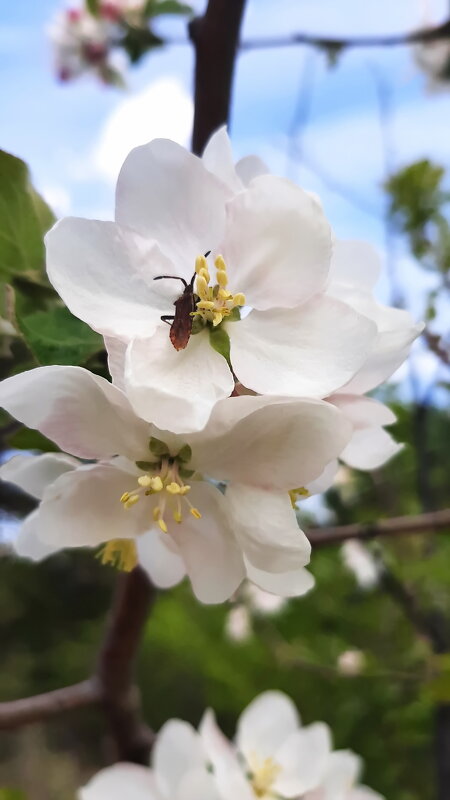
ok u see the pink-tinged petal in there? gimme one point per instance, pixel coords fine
(283, 584)
(218, 748)
(102, 273)
(309, 351)
(325, 479)
(159, 556)
(116, 350)
(265, 724)
(33, 474)
(176, 390)
(341, 775)
(363, 412)
(303, 759)
(212, 557)
(370, 448)
(166, 193)
(83, 413)
(354, 263)
(27, 543)
(266, 528)
(277, 244)
(121, 781)
(281, 444)
(178, 750)
(218, 159)
(198, 785)
(363, 793)
(251, 167)
(82, 508)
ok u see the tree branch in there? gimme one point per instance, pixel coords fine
(423, 35)
(215, 38)
(396, 526)
(50, 704)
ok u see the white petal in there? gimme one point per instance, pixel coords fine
(363, 793)
(219, 750)
(116, 350)
(390, 350)
(354, 263)
(82, 508)
(266, 528)
(281, 444)
(265, 724)
(325, 479)
(303, 760)
(250, 167)
(342, 773)
(159, 557)
(176, 390)
(120, 781)
(100, 271)
(218, 159)
(308, 351)
(33, 474)
(363, 412)
(370, 448)
(167, 194)
(210, 552)
(283, 584)
(27, 543)
(83, 413)
(198, 785)
(277, 244)
(178, 749)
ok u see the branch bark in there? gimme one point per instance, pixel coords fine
(215, 38)
(44, 706)
(396, 526)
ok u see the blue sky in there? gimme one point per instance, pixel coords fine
(75, 136)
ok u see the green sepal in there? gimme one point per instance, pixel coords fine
(93, 7)
(185, 454)
(234, 315)
(220, 341)
(157, 447)
(153, 8)
(147, 466)
(185, 473)
(197, 325)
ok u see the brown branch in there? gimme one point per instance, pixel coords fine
(215, 38)
(422, 35)
(396, 526)
(111, 687)
(50, 704)
(434, 342)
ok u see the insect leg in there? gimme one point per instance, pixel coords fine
(169, 318)
(172, 277)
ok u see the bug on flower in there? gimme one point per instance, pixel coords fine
(181, 321)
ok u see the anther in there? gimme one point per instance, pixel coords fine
(239, 299)
(195, 512)
(173, 488)
(145, 481)
(162, 525)
(125, 497)
(131, 501)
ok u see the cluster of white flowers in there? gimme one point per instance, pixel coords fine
(192, 460)
(83, 43)
(273, 757)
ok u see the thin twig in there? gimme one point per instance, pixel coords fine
(50, 704)
(396, 526)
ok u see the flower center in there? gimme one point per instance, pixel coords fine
(215, 302)
(263, 774)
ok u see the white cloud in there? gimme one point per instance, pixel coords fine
(162, 109)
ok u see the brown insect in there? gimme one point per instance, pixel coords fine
(181, 321)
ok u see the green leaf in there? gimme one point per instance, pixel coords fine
(24, 218)
(154, 8)
(27, 439)
(185, 454)
(157, 447)
(138, 41)
(147, 466)
(93, 7)
(220, 341)
(57, 337)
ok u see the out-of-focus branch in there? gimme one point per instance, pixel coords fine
(396, 526)
(434, 343)
(111, 687)
(215, 38)
(423, 35)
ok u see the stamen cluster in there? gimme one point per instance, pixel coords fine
(215, 302)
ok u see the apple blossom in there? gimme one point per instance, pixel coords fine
(340, 780)
(258, 251)
(152, 495)
(351, 662)
(178, 771)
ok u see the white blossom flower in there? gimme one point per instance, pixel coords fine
(238, 624)
(85, 43)
(274, 757)
(136, 500)
(340, 781)
(370, 446)
(270, 248)
(360, 561)
(178, 771)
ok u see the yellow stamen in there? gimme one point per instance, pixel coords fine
(156, 513)
(207, 305)
(215, 303)
(120, 553)
(195, 513)
(222, 278)
(125, 497)
(295, 495)
(239, 299)
(157, 484)
(184, 489)
(132, 500)
(145, 480)
(177, 515)
(173, 488)
(200, 263)
(162, 525)
(201, 285)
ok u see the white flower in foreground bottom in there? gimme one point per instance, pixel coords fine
(340, 781)
(266, 245)
(273, 756)
(178, 772)
(149, 499)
